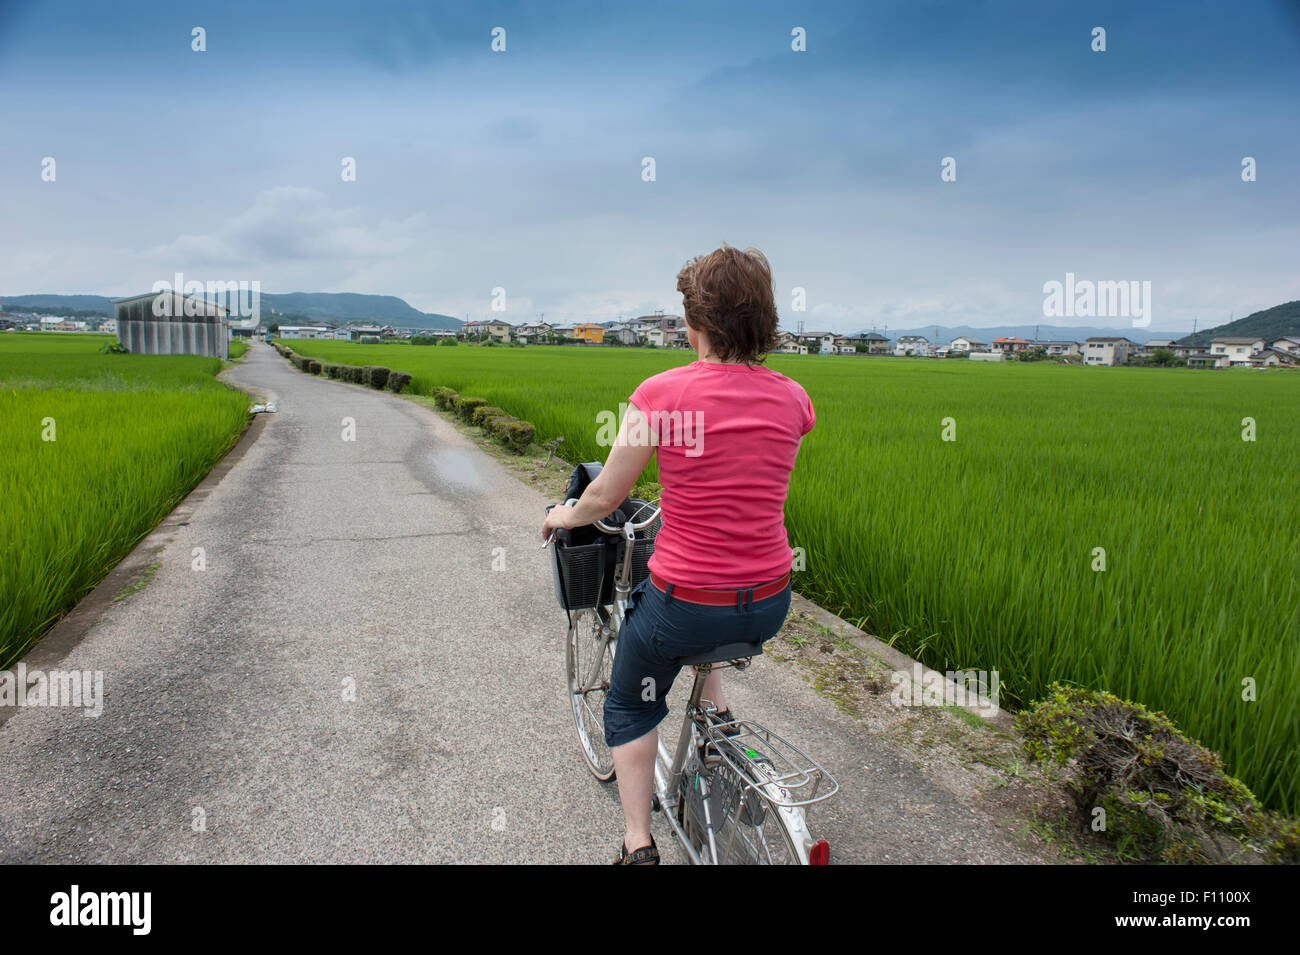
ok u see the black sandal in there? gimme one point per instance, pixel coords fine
(724, 716)
(646, 855)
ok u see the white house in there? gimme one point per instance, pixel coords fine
(1203, 359)
(1149, 348)
(1290, 344)
(305, 331)
(916, 345)
(967, 344)
(532, 331)
(1060, 348)
(623, 332)
(1106, 351)
(1238, 350)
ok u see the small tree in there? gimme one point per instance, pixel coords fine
(1162, 356)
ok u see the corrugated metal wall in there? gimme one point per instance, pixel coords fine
(143, 333)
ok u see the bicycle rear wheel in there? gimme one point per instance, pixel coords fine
(589, 660)
(749, 829)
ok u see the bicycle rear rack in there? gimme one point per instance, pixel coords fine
(773, 768)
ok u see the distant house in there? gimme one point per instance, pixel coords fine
(791, 346)
(1149, 348)
(1106, 351)
(915, 345)
(356, 331)
(825, 341)
(1269, 358)
(644, 323)
(533, 332)
(1238, 350)
(622, 332)
(967, 344)
(1184, 351)
(305, 331)
(589, 333)
(1009, 346)
(1290, 345)
(876, 344)
(1060, 348)
(1204, 359)
(500, 331)
(843, 345)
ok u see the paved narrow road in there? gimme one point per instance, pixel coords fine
(332, 563)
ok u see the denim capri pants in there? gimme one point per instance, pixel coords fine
(657, 631)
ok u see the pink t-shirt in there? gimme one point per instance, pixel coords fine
(726, 436)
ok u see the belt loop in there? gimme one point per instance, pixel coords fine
(668, 594)
(740, 599)
(749, 599)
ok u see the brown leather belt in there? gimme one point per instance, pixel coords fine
(729, 597)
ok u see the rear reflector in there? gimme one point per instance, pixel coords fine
(820, 853)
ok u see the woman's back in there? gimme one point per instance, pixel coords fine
(727, 437)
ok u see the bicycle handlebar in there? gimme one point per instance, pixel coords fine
(600, 524)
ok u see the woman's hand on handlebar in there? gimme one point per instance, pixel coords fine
(557, 518)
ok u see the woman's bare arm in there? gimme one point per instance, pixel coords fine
(631, 452)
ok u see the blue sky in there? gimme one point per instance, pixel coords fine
(522, 169)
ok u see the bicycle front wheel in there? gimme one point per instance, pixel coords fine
(589, 660)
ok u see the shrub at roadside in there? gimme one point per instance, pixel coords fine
(444, 398)
(1139, 780)
(465, 405)
(485, 413)
(515, 435)
(398, 380)
(314, 367)
(378, 376)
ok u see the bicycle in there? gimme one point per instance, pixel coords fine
(732, 792)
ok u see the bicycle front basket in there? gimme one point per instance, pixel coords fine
(581, 576)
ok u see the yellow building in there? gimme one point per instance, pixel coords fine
(592, 334)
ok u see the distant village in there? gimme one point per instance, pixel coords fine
(669, 331)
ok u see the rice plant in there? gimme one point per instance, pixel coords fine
(986, 552)
(97, 450)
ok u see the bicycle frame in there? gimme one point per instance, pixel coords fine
(670, 770)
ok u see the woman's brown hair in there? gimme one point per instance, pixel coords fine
(728, 295)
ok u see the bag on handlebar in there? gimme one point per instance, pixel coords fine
(585, 557)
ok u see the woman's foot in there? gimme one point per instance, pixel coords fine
(724, 716)
(645, 855)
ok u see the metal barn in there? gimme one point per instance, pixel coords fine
(169, 323)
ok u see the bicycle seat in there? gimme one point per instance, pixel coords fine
(728, 651)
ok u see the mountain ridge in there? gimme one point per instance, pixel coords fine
(277, 306)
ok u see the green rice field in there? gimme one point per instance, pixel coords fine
(979, 553)
(132, 434)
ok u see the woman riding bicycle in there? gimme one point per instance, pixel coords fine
(727, 430)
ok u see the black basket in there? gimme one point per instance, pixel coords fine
(584, 573)
(583, 576)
